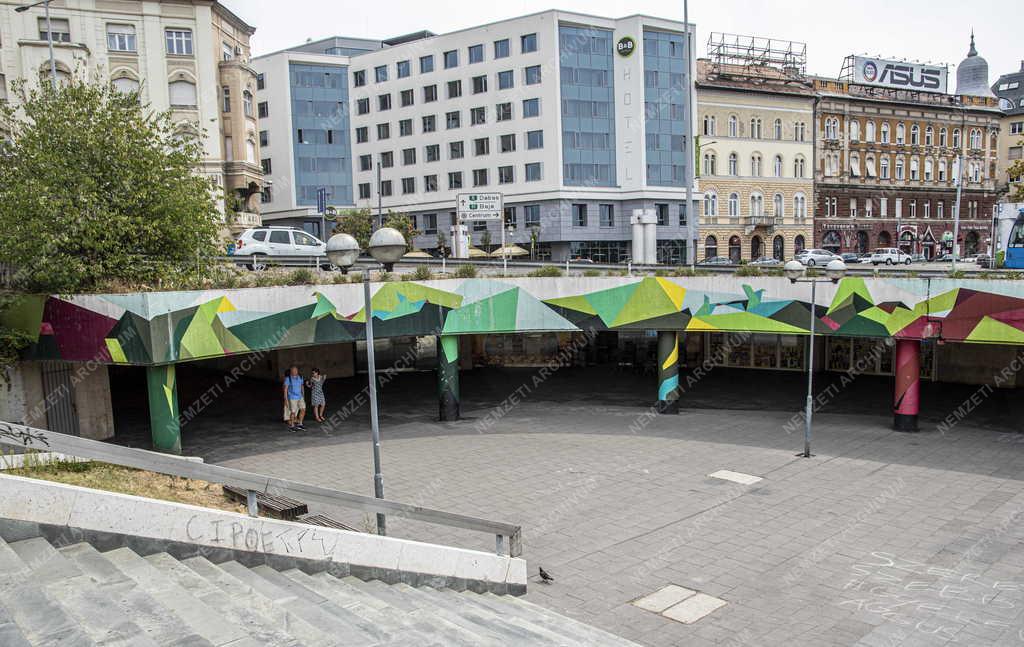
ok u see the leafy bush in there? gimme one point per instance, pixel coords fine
(339, 278)
(465, 271)
(355, 277)
(301, 276)
(591, 273)
(959, 274)
(549, 271)
(422, 273)
(386, 277)
(748, 270)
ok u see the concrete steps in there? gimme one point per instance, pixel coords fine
(78, 596)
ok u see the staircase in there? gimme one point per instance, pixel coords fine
(77, 596)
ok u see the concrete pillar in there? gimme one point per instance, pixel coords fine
(448, 377)
(163, 408)
(907, 398)
(93, 404)
(638, 253)
(668, 371)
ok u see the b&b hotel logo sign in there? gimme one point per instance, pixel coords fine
(626, 46)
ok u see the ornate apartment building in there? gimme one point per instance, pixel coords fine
(887, 160)
(1010, 90)
(756, 149)
(187, 56)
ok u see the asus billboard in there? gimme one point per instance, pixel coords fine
(900, 75)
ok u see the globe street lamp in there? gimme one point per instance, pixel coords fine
(795, 272)
(386, 246)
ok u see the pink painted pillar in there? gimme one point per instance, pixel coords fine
(907, 398)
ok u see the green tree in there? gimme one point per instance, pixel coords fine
(404, 223)
(485, 241)
(442, 243)
(1015, 172)
(357, 223)
(96, 187)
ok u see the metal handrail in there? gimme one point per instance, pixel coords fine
(43, 440)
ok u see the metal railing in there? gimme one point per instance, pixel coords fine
(40, 439)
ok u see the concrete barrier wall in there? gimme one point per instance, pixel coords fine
(157, 526)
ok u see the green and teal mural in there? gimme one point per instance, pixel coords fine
(158, 328)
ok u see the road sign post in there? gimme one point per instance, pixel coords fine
(321, 208)
(480, 206)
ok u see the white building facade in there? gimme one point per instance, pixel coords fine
(577, 120)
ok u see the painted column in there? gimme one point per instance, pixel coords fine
(906, 401)
(448, 377)
(668, 371)
(163, 408)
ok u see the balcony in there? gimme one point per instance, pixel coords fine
(243, 220)
(767, 223)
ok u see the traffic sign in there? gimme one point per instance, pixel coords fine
(480, 206)
(321, 200)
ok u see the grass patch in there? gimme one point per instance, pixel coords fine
(748, 270)
(124, 480)
(465, 272)
(546, 271)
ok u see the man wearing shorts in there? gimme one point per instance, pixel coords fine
(295, 399)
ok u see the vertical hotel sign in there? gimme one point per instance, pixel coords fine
(900, 75)
(629, 101)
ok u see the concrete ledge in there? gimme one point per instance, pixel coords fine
(66, 514)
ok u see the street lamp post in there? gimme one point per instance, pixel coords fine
(387, 245)
(49, 36)
(795, 272)
(959, 183)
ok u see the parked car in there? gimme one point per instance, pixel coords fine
(945, 258)
(812, 257)
(890, 256)
(864, 258)
(850, 258)
(918, 258)
(984, 261)
(766, 260)
(716, 260)
(260, 243)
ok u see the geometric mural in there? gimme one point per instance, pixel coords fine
(168, 327)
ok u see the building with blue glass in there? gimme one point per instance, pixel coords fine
(577, 120)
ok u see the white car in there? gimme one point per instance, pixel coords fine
(890, 256)
(260, 243)
(812, 257)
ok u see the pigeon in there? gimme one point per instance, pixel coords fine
(545, 577)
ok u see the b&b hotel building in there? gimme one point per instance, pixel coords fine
(886, 161)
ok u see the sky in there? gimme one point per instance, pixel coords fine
(925, 30)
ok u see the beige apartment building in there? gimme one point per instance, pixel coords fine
(1010, 90)
(755, 118)
(188, 56)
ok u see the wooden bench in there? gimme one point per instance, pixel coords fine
(278, 507)
(324, 520)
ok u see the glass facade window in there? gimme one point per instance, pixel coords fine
(451, 59)
(179, 41)
(482, 146)
(364, 191)
(501, 48)
(433, 152)
(385, 188)
(383, 131)
(506, 79)
(456, 150)
(407, 98)
(387, 159)
(319, 94)
(507, 143)
(455, 180)
(503, 111)
(665, 65)
(426, 64)
(480, 177)
(531, 108)
(528, 43)
(505, 175)
(579, 215)
(477, 116)
(607, 215)
(366, 162)
(532, 172)
(363, 106)
(429, 93)
(534, 139)
(380, 73)
(453, 119)
(479, 84)
(362, 135)
(358, 78)
(454, 89)
(662, 211)
(476, 53)
(588, 126)
(429, 123)
(601, 251)
(531, 215)
(402, 69)
(408, 156)
(429, 183)
(531, 75)
(120, 38)
(384, 102)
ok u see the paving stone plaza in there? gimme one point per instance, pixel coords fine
(882, 538)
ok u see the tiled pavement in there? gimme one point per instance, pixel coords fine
(881, 539)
